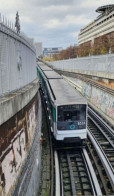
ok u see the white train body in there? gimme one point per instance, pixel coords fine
(66, 107)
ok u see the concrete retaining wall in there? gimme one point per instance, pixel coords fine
(14, 102)
(101, 99)
(19, 154)
(100, 66)
(17, 60)
(20, 114)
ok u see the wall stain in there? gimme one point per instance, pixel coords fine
(16, 136)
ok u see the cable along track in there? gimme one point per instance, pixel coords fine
(102, 138)
(77, 176)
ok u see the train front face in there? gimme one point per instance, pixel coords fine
(71, 122)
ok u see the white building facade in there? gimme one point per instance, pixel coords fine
(102, 25)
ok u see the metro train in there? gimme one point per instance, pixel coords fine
(66, 107)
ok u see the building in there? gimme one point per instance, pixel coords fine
(102, 25)
(39, 49)
(49, 52)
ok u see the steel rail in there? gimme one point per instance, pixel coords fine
(108, 168)
(111, 141)
(71, 175)
(57, 175)
(108, 133)
(105, 131)
(101, 120)
(64, 172)
(102, 153)
(80, 172)
(94, 181)
(61, 180)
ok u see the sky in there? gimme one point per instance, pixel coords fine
(55, 23)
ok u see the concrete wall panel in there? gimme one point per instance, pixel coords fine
(14, 102)
(17, 61)
(101, 66)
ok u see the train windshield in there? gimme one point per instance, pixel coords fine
(71, 117)
(71, 112)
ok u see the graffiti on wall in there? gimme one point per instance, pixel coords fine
(12, 159)
(110, 108)
(86, 90)
(15, 139)
(96, 97)
(101, 99)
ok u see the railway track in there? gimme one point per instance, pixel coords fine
(80, 176)
(101, 148)
(76, 174)
(101, 139)
(88, 80)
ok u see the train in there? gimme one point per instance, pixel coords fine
(66, 107)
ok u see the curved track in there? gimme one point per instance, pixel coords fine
(102, 138)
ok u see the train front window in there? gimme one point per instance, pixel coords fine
(71, 113)
(71, 117)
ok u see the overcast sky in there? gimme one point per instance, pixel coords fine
(55, 23)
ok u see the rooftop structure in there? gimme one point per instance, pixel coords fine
(102, 25)
(105, 9)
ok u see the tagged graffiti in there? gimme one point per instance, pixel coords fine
(15, 138)
(101, 99)
(96, 97)
(12, 159)
(86, 90)
(110, 107)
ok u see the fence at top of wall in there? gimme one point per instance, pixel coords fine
(17, 58)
